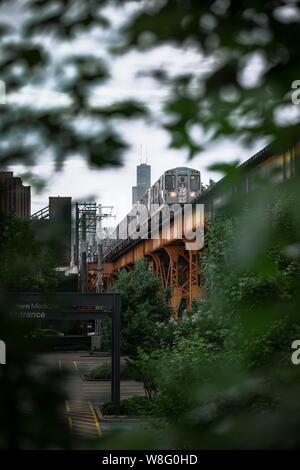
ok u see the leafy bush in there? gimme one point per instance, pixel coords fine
(134, 406)
(226, 379)
(103, 372)
(144, 310)
(145, 370)
(31, 401)
(26, 264)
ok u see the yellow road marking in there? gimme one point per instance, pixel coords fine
(75, 364)
(95, 418)
(81, 420)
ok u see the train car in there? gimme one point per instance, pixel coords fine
(176, 186)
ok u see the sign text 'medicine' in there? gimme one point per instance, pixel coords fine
(34, 309)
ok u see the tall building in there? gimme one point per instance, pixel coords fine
(15, 198)
(143, 182)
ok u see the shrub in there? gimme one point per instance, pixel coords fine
(134, 406)
(103, 372)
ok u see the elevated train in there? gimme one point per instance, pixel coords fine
(183, 185)
(276, 166)
(175, 186)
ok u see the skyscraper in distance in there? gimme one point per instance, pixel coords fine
(143, 182)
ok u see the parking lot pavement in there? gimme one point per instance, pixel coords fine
(83, 394)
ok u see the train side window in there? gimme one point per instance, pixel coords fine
(195, 182)
(170, 182)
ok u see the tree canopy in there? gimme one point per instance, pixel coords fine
(144, 310)
(239, 83)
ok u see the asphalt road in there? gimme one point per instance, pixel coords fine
(83, 395)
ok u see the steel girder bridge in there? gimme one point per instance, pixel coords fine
(178, 269)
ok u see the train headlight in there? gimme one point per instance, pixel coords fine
(173, 194)
(193, 194)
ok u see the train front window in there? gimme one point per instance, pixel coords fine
(170, 182)
(195, 182)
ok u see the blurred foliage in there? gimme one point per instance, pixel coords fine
(31, 393)
(25, 264)
(62, 117)
(244, 59)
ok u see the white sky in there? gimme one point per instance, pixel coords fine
(113, 186)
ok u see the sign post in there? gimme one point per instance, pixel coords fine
(77, 306)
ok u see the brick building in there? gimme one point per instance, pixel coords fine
(15, 198)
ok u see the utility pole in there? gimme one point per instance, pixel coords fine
(85, 239)
(104, 212)
(83, 256)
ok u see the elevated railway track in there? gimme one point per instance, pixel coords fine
(177, 268)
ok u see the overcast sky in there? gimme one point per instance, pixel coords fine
(147, 141)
